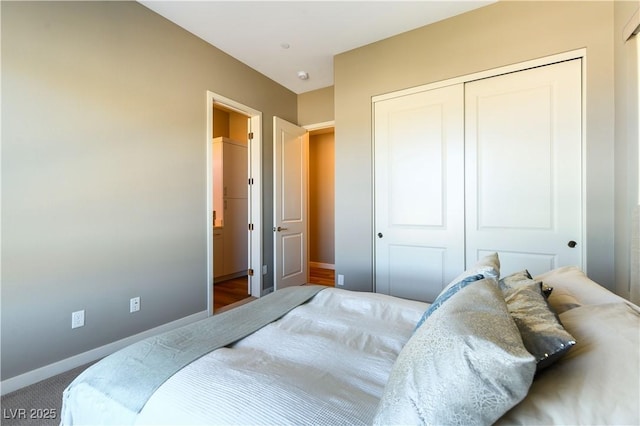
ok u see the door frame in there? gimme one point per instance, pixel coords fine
(254, 254)
(520, 66)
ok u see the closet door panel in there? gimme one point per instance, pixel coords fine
(523, 145)
(514, 151)
(412, 268)
(419, 211)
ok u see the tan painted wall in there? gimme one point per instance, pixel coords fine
(321, 198)
(104, 172)
(316, 106)
(220, 123)
(497, 35)
(238, 127)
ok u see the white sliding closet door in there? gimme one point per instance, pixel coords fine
(523, 144)
(419, 192)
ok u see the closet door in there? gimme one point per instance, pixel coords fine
(419, 184)
(523, 139)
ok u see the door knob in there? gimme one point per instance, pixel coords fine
(572, 244)
(279, 228)
(379, 234)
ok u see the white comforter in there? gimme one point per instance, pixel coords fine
(326, 362)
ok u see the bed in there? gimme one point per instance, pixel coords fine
(556, 348)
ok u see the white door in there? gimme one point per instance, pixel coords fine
(290, 203)
(419, 192)
(523, 168)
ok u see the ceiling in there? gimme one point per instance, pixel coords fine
(281, 38)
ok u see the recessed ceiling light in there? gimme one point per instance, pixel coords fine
(303, 75)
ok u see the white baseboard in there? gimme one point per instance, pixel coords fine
(42, 373)
(322, 265)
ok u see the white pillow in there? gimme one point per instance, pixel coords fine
(465, 365)
(571, 280)
(595, 383)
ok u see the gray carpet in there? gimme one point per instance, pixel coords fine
(38, 404)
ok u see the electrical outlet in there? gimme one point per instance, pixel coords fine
(134, 304)
(340, 279)
(264, 269)
(77, 319)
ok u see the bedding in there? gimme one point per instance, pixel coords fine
(325, 362)
(540, 328)
(597, 381)
(129, 377)
(340, 358)
(471, 339)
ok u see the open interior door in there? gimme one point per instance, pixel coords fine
(290, 204)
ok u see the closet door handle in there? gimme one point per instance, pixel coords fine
(279, 228)
(572, 244)
(380, 235)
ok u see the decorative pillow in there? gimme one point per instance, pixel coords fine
(522, 278)
(542, 333)
(447, 294)
(465, 365)
(514, 279)
(489, 266)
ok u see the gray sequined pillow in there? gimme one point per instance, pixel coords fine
(521, 278)
(542, 333)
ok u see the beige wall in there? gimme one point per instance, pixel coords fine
(321, 197)
(104, 172)
(220, 123)
(626, 140)
(316, 106)
(497, 35)
(238, 127)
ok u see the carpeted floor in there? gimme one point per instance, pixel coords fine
(38, 404)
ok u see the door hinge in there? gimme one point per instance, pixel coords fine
(250, 135)
(250, 181)
(250, 272)
(251, 227)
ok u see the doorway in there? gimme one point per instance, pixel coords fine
(234, 202)
(322, 205)
(230, 159)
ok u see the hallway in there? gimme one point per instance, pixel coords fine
(235, 290)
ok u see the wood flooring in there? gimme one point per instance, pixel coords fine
(229, 291)
(322, 276)
(234, 291)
